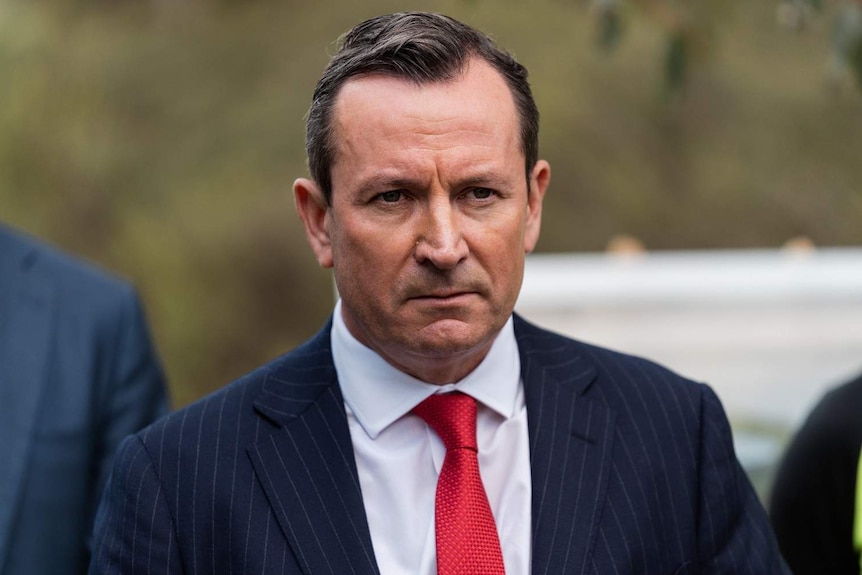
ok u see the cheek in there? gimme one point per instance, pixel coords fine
(502, 255)
(370, 259)
(502, 244)
(368, 249)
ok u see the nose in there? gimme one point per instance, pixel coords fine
(441, 242)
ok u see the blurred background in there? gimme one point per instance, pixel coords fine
(160, 139)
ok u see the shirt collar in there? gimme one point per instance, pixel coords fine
(378, 394)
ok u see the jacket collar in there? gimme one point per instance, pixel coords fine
(571, 439)
(307, 467)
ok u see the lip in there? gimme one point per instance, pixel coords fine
(448, 297)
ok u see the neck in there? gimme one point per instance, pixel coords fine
(439, 370)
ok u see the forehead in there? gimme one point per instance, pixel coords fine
(472, 106)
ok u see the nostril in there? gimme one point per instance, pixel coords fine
(443, 255)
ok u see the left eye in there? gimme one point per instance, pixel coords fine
(481, 193)
(391, 196)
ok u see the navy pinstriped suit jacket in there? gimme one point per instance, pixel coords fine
(633, 472)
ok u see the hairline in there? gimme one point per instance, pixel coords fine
(471, 56)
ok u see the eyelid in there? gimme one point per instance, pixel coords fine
(472, 189)
(379, 196)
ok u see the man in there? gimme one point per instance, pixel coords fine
(77, 375)
(342, 457)
(816, 504)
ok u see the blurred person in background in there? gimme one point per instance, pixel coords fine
(426, 429)
(816, 501)
(77, 374)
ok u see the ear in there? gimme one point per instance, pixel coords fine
(539, 180)
(314, 213)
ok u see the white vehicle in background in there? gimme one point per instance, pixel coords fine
(769, 330)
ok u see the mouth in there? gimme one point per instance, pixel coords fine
(449, 297)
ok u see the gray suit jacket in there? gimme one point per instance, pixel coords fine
(77, 375)
(633, 472)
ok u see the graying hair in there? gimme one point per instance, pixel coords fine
(421, 47)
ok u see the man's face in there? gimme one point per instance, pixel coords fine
(430, 217)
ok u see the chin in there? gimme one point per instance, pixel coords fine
(451, 337)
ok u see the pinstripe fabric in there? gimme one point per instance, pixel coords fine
(633, 473)
(256, 478)
(633, 469)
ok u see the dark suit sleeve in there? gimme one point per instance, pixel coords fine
(734, 535)
(135, 531)
(132, 393)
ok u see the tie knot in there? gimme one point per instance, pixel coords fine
(453, 417)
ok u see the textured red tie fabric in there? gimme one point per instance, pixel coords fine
(467, 541)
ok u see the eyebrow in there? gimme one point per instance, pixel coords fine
(383, 182)
(488, 178)
(484, 179)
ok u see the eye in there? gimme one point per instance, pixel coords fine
(391, 196)
(481, 193)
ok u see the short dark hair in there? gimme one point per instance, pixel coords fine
(421, 47)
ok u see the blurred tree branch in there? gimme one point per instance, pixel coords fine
(689, 29)
(847, 39)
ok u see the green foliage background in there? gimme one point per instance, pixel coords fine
(160, 139)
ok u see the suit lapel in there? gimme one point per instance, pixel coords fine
(571, 439)
(307, 468)
(25, 337)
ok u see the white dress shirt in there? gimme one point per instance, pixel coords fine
(399, 457)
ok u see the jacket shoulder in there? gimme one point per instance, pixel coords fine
(612, 367)
(255, 404)
(69, 276)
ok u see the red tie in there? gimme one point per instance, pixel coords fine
(467, 542)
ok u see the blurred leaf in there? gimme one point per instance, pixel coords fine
(796, 15)
(847, 39)
(610, 27)
(855, 62)
(676, 62)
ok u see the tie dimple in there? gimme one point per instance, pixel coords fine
(467, 541)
